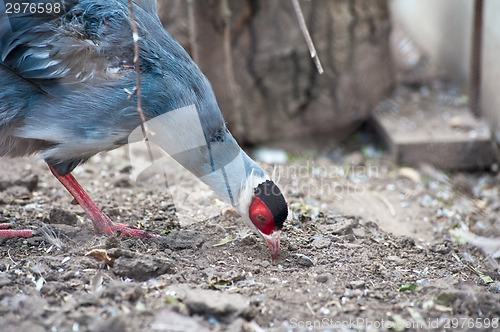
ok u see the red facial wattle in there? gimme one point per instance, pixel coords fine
(261, 216)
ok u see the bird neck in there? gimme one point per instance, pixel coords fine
(206, 149)
(235, 180)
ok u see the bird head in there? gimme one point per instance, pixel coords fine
(268, 211)
(264, 208)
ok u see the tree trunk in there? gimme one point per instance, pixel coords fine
(254, 54)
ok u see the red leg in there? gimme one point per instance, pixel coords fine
(102, 223)
(5, 232)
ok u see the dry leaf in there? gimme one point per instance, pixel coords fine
(100, 255)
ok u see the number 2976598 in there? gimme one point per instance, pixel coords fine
(33, 8)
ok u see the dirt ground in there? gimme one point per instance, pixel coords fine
(367, 247)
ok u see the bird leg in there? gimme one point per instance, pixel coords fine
(6, 232)
(102, 223)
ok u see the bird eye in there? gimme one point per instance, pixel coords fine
(260, 216)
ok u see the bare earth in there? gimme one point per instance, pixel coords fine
(367, 247)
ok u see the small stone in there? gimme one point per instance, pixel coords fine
(322, 278)
(342, 226)
(494, 287)
(441, 248)
(304, 260)
(395, 259)
(357, 284)
(138, 267)
(321, 243)
(59, 216)
(265, 263)
(223, 306)
(123, 182)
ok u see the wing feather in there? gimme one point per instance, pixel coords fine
(87, 40)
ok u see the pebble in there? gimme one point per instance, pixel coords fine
(395, 259)
(304, 260)
(123, 182)
(59, 216)
(322, 278)
(441, 248)
(209, 303)
(265, 263)
(494, 287)
(142, 269)
(321, 243)
(355, 293)
(357, 284)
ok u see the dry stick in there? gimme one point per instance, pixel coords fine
(307, 36)
(137, 90)
(386, 202)
(192, 31)
(475, 63)
(135, 35)
(234, 88)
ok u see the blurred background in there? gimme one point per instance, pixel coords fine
(268, 87)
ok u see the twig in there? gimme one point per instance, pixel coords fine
(310, 309)
(307, 36)
(137, 90)
(386, 202)
(475, 62)
(10, 257)
(233, 86)
(192, 31)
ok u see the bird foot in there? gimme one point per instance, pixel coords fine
(6, 232)
(124, 230)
